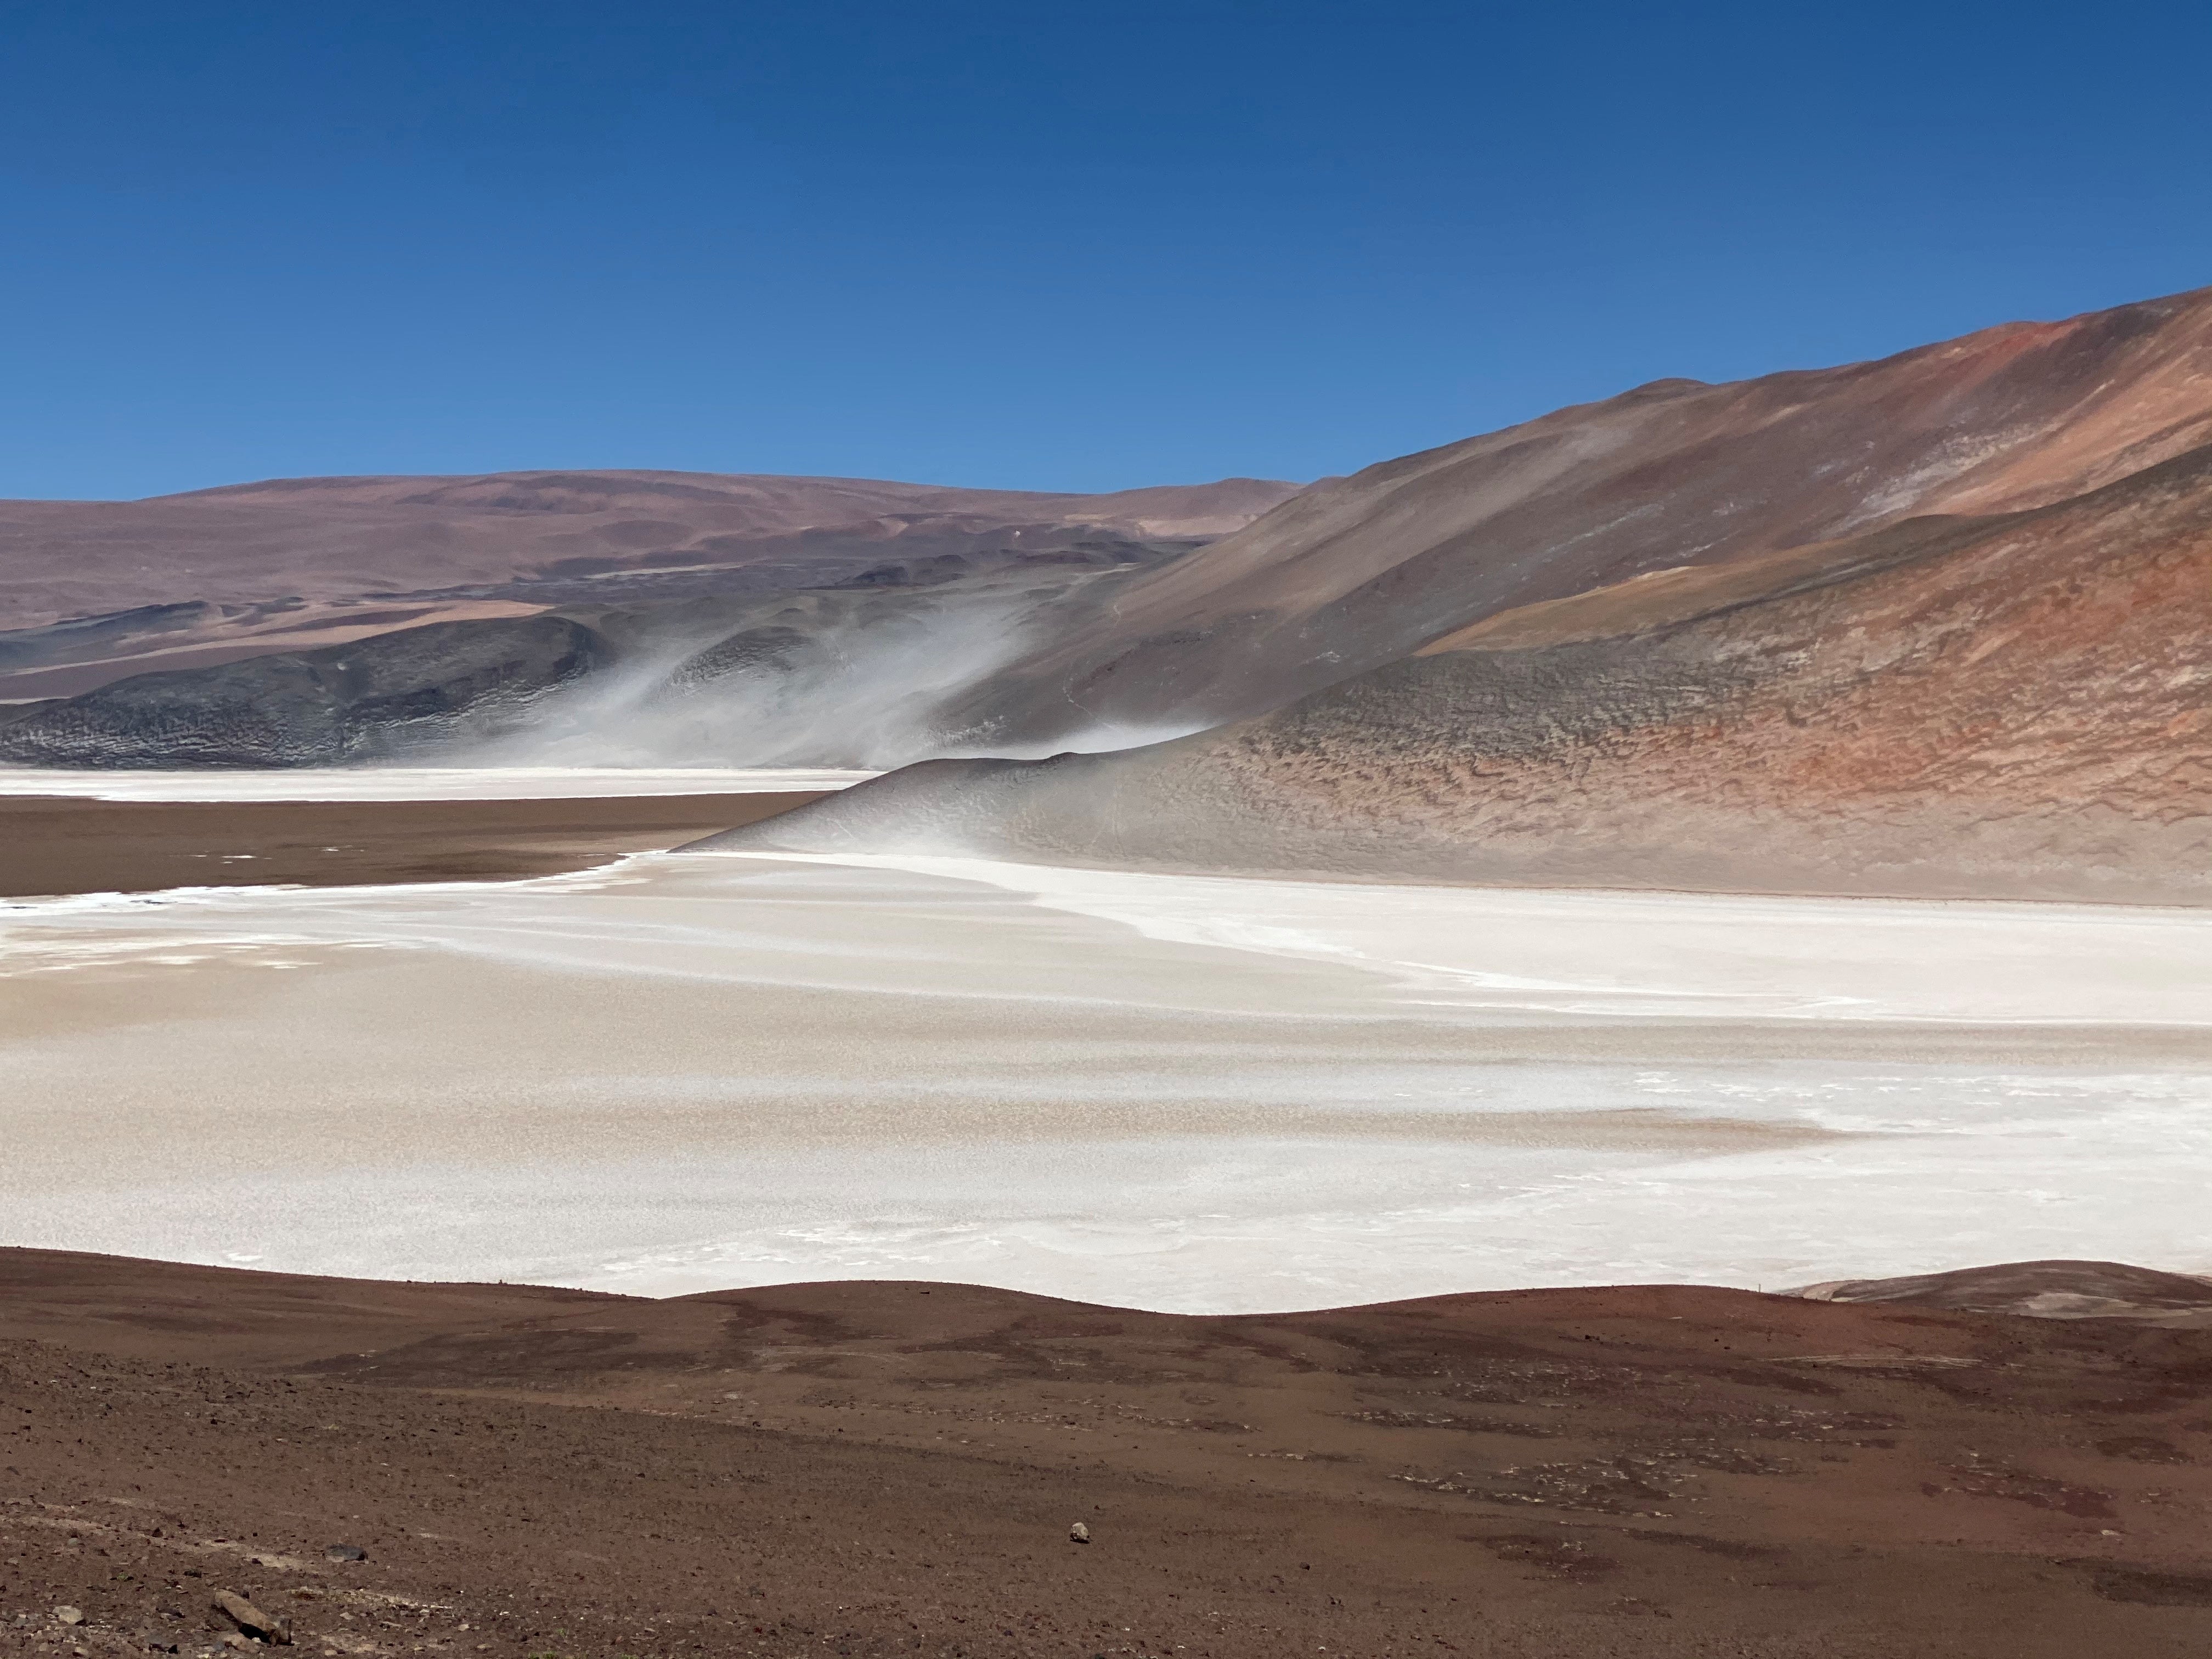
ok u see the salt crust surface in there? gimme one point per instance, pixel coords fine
(420, 782)
(1194, 1093)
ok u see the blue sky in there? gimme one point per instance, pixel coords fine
(1045, 245)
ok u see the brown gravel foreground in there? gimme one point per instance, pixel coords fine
(882, 1468)
(53, 844)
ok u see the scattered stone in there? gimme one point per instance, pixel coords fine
(1078, 1533)
(251, 1621)
(69, 1615)
(346, 1553)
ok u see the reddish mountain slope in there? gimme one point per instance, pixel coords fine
(1366, 570)
(2002, 703)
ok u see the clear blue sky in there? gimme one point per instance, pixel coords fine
(1043, 245)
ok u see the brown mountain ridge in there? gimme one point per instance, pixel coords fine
(1939, 626)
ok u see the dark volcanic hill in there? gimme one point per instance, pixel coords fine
(1940, 625)
(2044, 1290)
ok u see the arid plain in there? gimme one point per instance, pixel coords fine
(766, 1065)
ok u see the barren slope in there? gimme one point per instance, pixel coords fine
(894, 1468)
(1366, 570)
(2006, 705)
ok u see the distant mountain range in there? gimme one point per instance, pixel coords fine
(601, 617)
(96, 591)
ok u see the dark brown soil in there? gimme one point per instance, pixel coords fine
(50, 844)
(872, 1469)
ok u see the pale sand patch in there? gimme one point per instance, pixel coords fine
(680, 1072)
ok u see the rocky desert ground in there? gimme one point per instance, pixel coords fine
(900, 1468)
